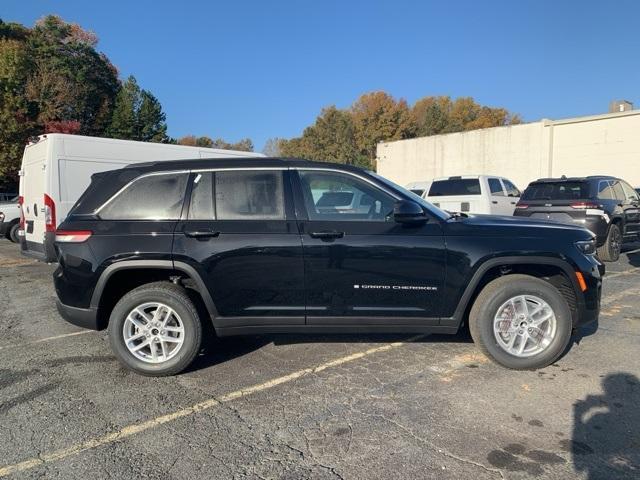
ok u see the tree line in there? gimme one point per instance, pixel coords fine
(53, 80)
(351, 135)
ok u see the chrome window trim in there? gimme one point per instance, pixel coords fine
(218, 169)
(131, 182)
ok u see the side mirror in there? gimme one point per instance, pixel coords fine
(408, 212)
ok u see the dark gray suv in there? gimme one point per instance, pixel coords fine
(608, 206)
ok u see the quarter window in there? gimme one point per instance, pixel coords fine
(618, 191)
(605, 192)
(335, 196)
(154, 197)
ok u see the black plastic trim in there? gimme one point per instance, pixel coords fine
(337, 329)
(494, 262)
(81, 317)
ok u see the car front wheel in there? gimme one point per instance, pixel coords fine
(521, 322)
(155, 329)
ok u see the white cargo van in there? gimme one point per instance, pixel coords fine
(57, 168)
(485, 194)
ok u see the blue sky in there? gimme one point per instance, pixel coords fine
(265, 68)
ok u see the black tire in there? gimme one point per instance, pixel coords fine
(176, 298)
(499, 291)
(13, 233)
(610, 251)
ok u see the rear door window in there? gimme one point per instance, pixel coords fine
(495, 187)
(455, 186)
(237, 195)
(557, 191)
(151, 197)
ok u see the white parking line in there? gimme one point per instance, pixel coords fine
(134, 429)
(619, 274)
(56, 337)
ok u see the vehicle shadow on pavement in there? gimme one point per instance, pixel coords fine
(216, 350)
(606, 430)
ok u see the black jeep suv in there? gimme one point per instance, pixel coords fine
(607, 206)
(280, 246)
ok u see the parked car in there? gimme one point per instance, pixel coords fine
(151, 251)
(608, 206)
(57, 168)
(470, 194)
(10, 220)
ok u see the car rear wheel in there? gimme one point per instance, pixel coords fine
(610, 251)
(521, 322)
(13, 233)
(155, 329)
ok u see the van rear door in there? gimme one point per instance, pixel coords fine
(33, 186)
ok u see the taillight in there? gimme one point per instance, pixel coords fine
(49, 214)
(73, 236)
(583, 205)
(522, 206)
(20, 203)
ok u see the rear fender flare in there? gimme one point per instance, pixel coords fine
(159, 264)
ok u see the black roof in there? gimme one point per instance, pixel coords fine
(575, 179)
(247, 162)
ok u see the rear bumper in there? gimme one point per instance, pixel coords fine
(81, 317)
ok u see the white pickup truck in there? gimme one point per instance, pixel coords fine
(470, 194)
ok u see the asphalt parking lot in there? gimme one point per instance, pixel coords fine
(314, 407)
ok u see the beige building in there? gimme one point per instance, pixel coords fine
(597, 145)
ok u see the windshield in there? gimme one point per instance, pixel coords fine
(441, 214)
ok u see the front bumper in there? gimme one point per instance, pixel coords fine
(81, 317)
(4, 228)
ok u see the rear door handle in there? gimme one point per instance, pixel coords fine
(513, 203)
(332, 234)
(201, 234)
(494, 202)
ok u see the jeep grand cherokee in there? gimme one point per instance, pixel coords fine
(272, 245)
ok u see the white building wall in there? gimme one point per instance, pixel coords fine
(604, 144)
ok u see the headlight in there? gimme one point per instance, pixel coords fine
(588, 247)
(1, 217)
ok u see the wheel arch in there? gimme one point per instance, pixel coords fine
(121, 277)
(536, 266)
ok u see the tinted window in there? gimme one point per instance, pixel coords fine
(495, 187)
(418, 191)
(630, 193)
(556, 191)
(618, 191)
(248, 195)
(457, 186)
(154, 197)
(202, 206)
(605, 191)
(337, 196)
(512, 190)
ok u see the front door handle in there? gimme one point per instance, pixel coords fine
(201, 233)
(494, 202)
(325, 235)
